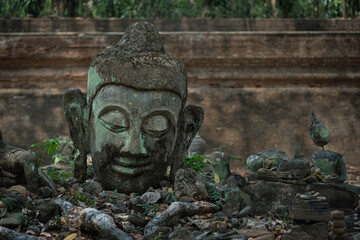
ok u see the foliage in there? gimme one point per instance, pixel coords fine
(82, 199)
(58, 176)
(150, 209)
(177, 8)
(196, 162)
(171, 195)
(215, 197)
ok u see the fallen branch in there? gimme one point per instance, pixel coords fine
(8, 234)
(176, 210)
(93, 219)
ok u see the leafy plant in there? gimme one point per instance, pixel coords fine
(171, 195)
(58, 176)
(82, 199)
(196, 162)
(215, 197)
(150, 209)
(220, 148)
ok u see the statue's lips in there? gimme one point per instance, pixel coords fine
(131, 166)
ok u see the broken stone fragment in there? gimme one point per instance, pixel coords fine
(188, 183)
(235, 200)
(151, 197)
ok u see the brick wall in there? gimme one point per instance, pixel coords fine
(258, 81)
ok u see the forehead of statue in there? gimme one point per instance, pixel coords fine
(142, 102)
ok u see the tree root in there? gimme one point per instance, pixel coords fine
(176, 210)
(93, 220)
(8, 234)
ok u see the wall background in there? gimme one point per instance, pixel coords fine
(257, 80)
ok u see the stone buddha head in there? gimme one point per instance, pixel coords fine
(133, 119)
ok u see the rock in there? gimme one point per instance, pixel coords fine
(223, 228)
(258, 233)
(11, 220)
(93, 187)
(234, 200)
(307, 232)
(165, 184)
(181, 233)
(197, 146)
(235, 180)
(48, 209)
(220, 163)
(151, 197)
(120, 207)
(113, 196)
(310, 206)
(186, 199)
(235, 223)
(137, 220)
(45, 192)
(336, 214)
(134, 203)
(188, 183)
(18, 188)
(277, 197)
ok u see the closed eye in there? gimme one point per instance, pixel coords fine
(156, 125)
(114, 120)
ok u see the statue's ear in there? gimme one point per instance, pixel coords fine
(76, 114)
(190, 120)
(194, 117)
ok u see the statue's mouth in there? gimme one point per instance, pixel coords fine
(131, 166)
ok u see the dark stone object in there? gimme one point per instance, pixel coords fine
(310, 231)
(93, 187)
(137, 220)
(310, 206)
(277, 197)
(47, 210)
(319, 132)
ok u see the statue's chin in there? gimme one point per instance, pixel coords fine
(130, 180)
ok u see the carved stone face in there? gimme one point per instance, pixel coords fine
(132, 134)
(133, 119)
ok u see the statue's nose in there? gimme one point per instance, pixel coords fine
(135, 144)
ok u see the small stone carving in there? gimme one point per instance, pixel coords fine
(220, 164)
(256, 161)
(332, 165)
(133, 119)
(297, 169)
(198, 146)
(310, 206)
(319, 132)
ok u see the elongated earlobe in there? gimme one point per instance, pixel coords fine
(190, 121)
(76, 114)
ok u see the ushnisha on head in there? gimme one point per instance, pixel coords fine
(133, 120)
